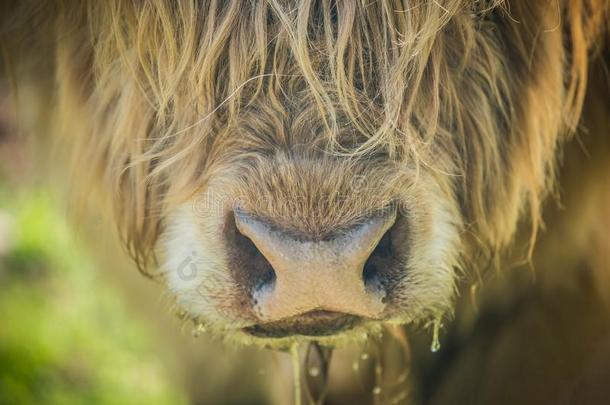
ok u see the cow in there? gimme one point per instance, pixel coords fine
(319, 170)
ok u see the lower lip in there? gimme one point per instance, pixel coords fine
(326, 324)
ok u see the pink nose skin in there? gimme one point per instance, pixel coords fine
(316, 275)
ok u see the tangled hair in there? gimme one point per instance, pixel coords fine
(151, 94)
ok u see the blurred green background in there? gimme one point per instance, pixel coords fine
(65, 336)
(78, 323)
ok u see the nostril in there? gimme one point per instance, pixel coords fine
(369, 273)
(267, 279)
(251, 270)
(256, 265)
(377, 265)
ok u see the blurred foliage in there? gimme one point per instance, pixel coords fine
(65, 336)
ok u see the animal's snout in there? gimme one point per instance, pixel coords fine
(290, 275)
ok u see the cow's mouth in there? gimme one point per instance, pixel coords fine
(311, 324)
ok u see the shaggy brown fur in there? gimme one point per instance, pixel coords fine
(453, 111)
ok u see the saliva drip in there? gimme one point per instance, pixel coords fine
(314, 371)
(296, 372)
(436, 344)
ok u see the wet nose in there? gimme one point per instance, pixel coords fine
(305, 275)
